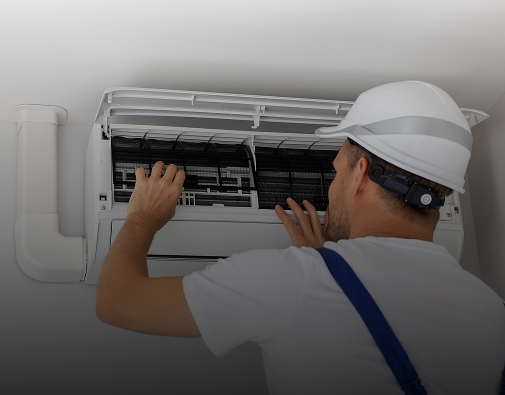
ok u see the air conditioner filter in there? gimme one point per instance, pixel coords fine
(224, 174)
(302, 174)
(208, 166)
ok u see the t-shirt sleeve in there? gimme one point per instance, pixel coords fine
(247, 297)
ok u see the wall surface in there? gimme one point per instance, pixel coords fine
(486, 177)
(52, 341)
(66, 53)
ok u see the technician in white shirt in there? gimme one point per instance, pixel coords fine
(380, 220)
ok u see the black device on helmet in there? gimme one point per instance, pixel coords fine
(404, 188)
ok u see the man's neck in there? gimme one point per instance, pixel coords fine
(382, 225)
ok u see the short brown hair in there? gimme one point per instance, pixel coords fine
(429, 217)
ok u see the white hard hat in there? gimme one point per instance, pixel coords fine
(413, 125)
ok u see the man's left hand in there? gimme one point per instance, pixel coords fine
(152, 203)
(309, 234)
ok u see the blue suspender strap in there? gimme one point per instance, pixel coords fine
(393, 352)
(502, 388)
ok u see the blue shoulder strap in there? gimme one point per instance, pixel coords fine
(393, 352)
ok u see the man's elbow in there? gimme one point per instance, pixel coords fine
(103, 312)
(106, 308)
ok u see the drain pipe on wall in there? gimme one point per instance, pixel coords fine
(41, 251)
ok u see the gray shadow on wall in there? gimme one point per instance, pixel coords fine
(319, 82)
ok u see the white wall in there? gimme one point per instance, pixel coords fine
(66, 55)
(486, 175)
(52, 342)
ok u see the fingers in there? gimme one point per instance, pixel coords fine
(315, 223)
(290, 225)
(325, 222)
(140, 174)
(180, 176)
(170, 172)
(156, 170)
(303, 221)
(308, 231)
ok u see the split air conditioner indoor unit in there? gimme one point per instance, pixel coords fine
(242, 155)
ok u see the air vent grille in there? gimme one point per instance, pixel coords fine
(223, 175)
(302, 174)
(219, 174)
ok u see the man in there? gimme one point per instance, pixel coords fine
(380, 220)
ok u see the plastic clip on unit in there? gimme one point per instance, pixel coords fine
(402, 187)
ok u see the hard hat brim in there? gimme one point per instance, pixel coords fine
(383, 144)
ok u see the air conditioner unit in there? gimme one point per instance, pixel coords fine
(242, 155)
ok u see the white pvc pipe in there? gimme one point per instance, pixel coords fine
(41, 251)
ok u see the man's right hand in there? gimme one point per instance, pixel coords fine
(308, 231)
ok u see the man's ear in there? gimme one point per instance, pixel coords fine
(360, 179)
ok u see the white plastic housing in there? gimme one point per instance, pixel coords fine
(41, 251)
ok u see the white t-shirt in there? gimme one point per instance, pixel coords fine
(313, 341)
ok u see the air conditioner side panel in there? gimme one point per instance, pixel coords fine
(97, 184)
(449, 231)
(90, 215)
(102, 248)
(452, 239)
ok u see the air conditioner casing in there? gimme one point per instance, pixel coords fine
(198, 235)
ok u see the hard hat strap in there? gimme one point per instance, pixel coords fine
(404, 188)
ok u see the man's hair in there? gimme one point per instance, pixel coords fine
(429, 217)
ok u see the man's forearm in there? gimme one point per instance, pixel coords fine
(125, 263)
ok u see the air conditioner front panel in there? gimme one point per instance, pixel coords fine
(212, 240)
